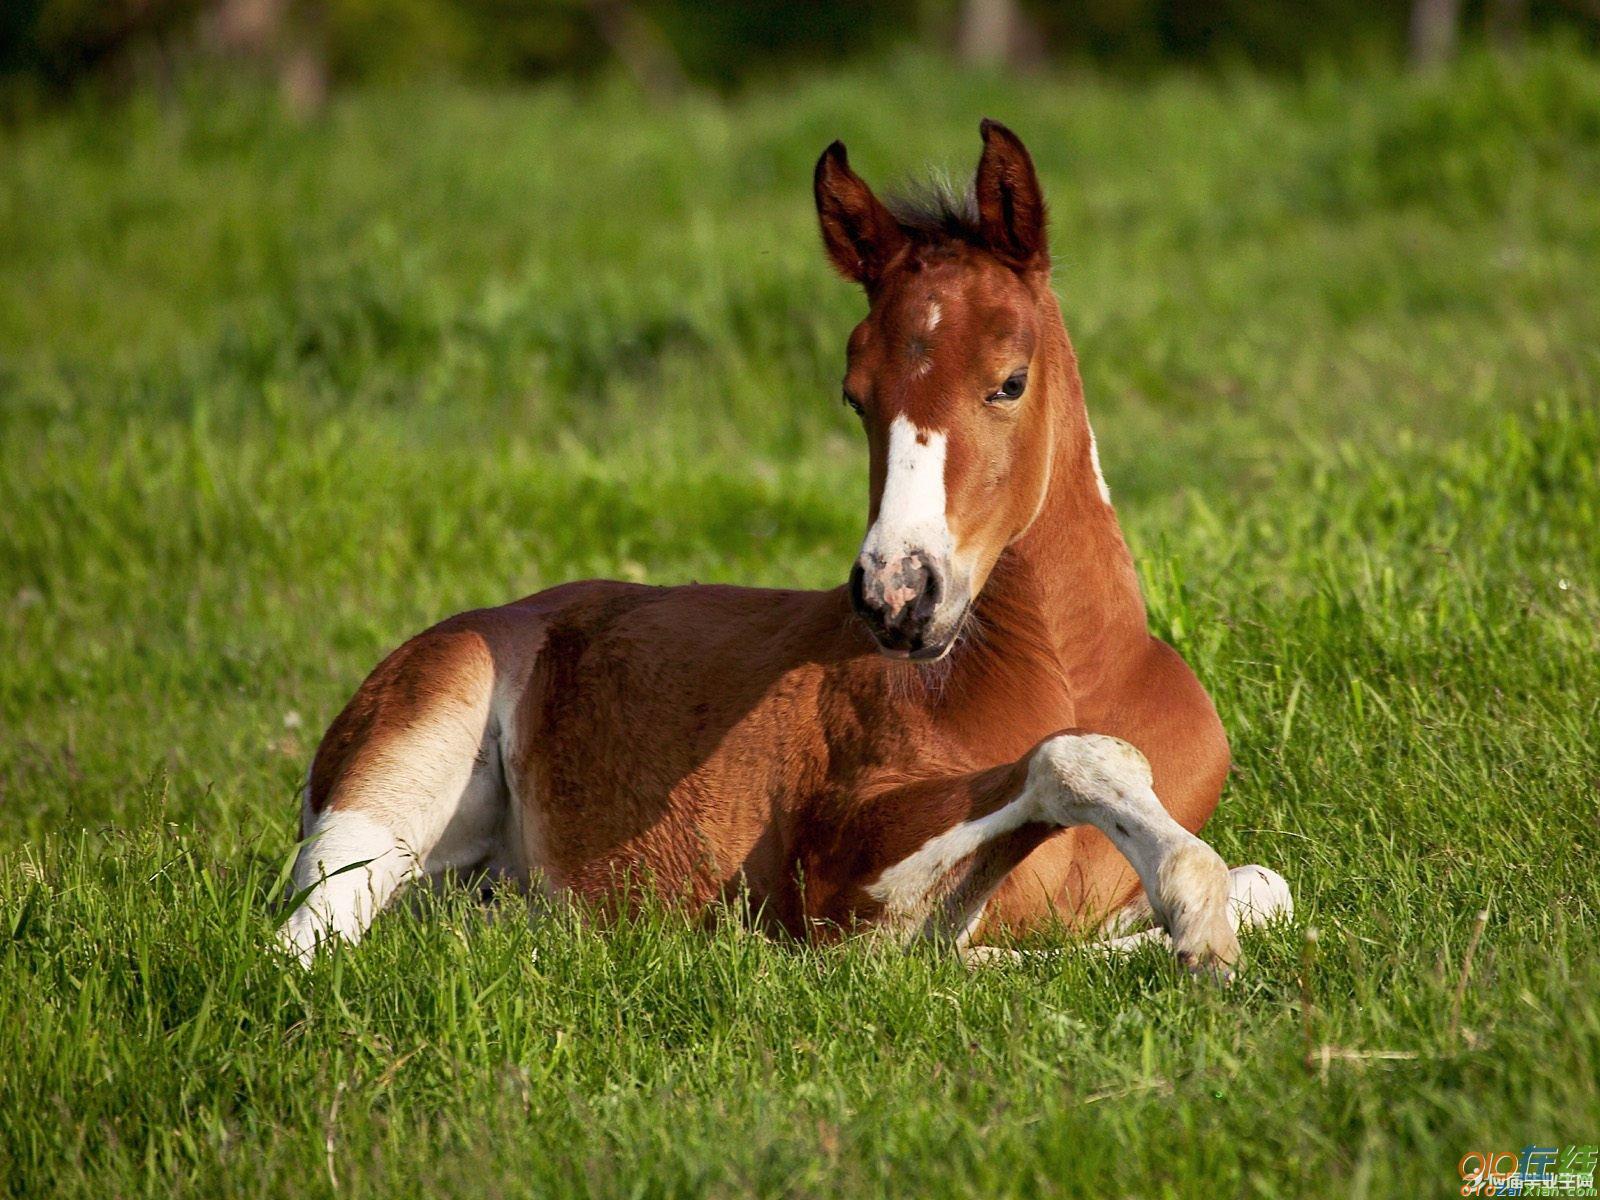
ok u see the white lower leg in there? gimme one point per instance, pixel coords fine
(352, 863)
(1256, 895)
(1094, 780)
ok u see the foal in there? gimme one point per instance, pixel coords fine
(803, 748)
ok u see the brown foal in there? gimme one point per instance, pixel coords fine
(974, 735)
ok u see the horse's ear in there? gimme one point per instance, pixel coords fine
(1010, 202)
(860, 234)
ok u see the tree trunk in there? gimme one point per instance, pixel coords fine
(1434, 32)
(641, 48)
(991, 33)
(264, 32)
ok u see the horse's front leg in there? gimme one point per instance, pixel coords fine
(927, 855)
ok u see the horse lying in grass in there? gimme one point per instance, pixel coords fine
(974, 736)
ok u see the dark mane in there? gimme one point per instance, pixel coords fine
(932, 211)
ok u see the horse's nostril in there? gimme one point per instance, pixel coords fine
(858, 597)
(928, 596)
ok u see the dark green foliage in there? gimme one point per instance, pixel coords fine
(51, 46)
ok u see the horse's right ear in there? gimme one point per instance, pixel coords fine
(861, 235)
(1010, 201)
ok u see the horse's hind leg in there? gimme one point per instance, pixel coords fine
(407, 782)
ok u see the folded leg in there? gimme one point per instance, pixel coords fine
(921, 860)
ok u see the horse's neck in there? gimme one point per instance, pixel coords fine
(1067, 587)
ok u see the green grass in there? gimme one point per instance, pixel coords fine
(272, 397)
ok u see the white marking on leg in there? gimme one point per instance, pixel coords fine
(1128, 943)
(1094, 780)
(1257, 895)
(995, 956)
(1089, 779)
(964, 938)
(344, 898)
(905, 888)
(1135, 915)
(1072, 780)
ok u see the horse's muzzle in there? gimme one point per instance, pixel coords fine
(901, 600)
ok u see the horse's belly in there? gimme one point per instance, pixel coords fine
(618, 804)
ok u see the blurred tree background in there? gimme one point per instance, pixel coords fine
(50, 49)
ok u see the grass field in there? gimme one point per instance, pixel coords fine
(272, 397)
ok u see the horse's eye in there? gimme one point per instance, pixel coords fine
(1012, 387)
(853, 404)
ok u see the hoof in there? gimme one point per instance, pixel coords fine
(1259, 895)
(975, 957)
(298, 940)
(1193, 905)
(1209, 964)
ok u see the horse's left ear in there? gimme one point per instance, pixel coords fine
(860, 234)
(1010, 202)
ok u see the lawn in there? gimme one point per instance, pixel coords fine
(274, 396)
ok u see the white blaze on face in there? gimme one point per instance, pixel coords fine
(911, 512)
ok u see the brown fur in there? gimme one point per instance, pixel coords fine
(702, 740)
